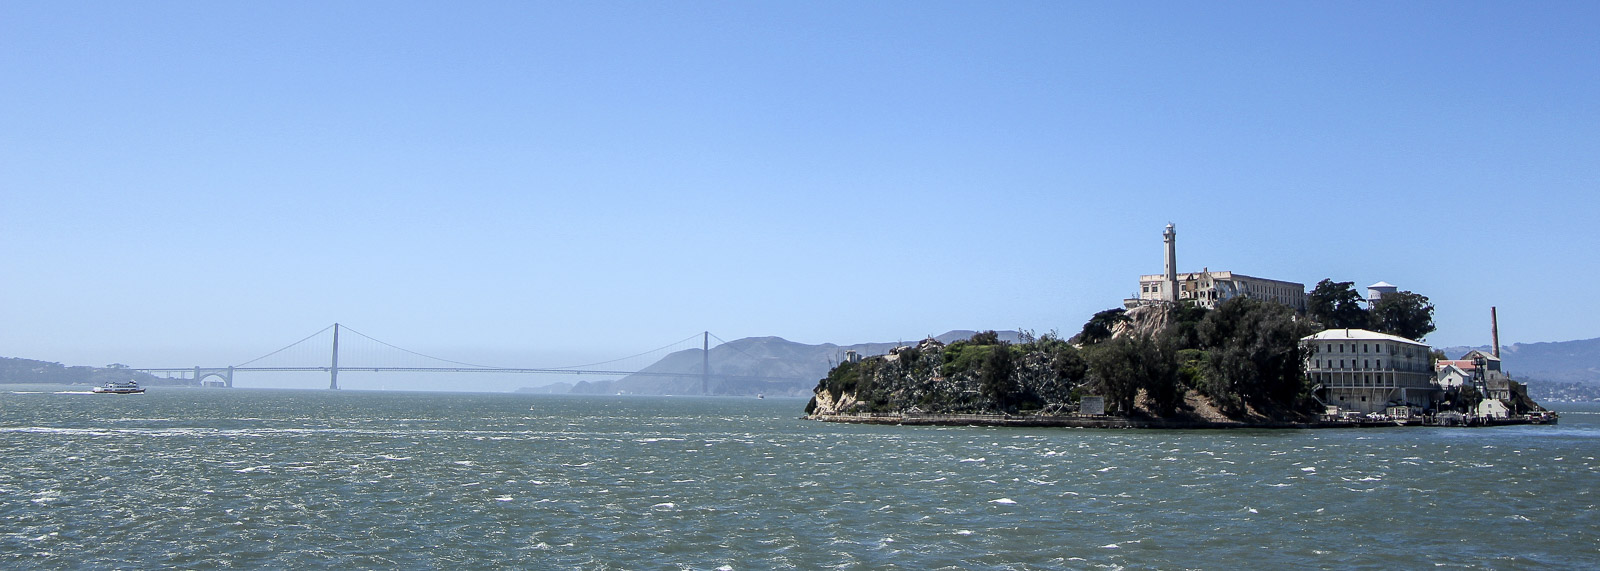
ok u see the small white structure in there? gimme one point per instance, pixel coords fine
(1378, 290)
(1493, 408)
(1366, 371)
(1451, 376)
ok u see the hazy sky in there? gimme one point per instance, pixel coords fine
(543, 184)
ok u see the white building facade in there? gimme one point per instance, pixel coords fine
(1365, 371)
(1209, 289)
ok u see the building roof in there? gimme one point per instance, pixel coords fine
(1476, 353)
(1381, 284)
(1359, 334)
(1466, 365)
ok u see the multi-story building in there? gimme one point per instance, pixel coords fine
(1366, 371)
(1208, 288)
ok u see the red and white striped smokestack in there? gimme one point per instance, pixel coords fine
(1494, 330)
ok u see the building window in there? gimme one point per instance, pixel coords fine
(1380, 363)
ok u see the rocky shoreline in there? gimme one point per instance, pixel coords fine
(1120, 422)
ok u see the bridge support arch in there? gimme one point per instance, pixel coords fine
(226, 375)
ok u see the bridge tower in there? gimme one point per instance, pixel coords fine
(333, 371)
(705, 363)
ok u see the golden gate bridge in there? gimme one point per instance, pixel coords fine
(300, 355)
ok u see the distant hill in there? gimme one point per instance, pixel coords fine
(13, 370)
(550, 389)
(1563, 361)
(749, 366)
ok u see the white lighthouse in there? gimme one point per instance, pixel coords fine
(1169, 282)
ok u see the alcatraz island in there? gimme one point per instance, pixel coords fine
(1208, 349)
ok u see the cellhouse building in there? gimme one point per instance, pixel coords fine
(1209, 289)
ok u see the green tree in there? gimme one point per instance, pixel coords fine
(1255, 353)
(1114, 367)
(1125, 365)
(1336, 305)
(1403, 313)
(1098, 328)
(985, 338)
(996, 376)
(1180, 331)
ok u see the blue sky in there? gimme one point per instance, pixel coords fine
(542, 184)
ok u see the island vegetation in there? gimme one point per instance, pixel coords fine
(1242, 361)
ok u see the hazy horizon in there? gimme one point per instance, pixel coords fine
(542, 184)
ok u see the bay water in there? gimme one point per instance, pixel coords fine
(194, 478)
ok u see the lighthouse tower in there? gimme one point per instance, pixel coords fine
(1169, 283)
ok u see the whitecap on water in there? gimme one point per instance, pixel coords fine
(1003, 501)
(503, 499)
(963, 532)
(973, 459)
(664, 506)
(462, 462)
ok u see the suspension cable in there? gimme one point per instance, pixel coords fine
(474, 365)
(725, 342)
(397, 348)
(632, 356)
(285, 348)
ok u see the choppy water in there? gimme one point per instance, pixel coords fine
(294, 479)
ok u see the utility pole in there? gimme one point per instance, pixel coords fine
(705, 363)
(333, 371)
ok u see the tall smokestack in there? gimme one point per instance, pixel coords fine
(1494, 330)
(1169, 286)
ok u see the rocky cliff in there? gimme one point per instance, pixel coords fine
(978, 376)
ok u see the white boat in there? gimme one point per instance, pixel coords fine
(122, 388)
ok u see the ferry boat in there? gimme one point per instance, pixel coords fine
(122, 388)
